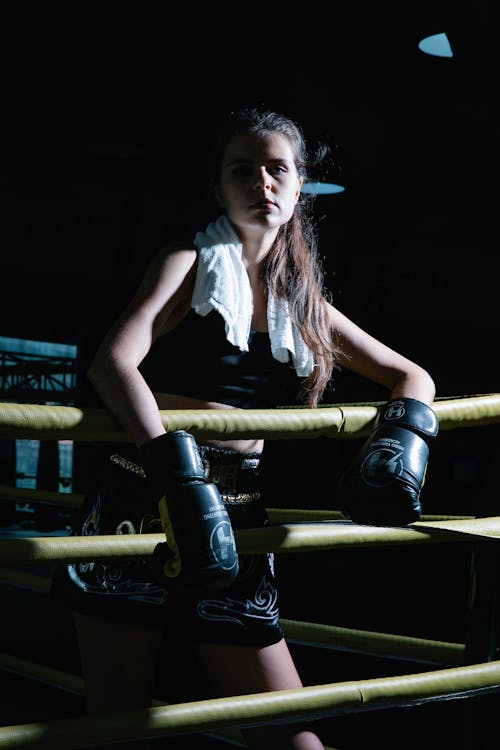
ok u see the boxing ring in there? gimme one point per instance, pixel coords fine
(455, 670)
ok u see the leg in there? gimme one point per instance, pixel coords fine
(118, 666)
(238, 670)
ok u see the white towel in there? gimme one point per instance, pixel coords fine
(222, 284)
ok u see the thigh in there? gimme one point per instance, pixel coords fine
(237, 669)
(241, 670)
(118, 663)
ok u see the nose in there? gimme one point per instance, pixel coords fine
(263, 180)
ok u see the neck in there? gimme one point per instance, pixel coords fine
(255, 251)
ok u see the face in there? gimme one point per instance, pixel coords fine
(259, 184)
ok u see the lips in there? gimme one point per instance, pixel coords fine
(263, 204)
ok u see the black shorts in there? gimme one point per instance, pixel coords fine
(126, 591)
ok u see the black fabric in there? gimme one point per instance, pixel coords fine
(195, 359)
(126, 590)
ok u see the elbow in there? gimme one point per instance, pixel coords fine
(415, 383)
(93, 372)
(108, 370)
(432, 386)
(99, 370)
(428, 388)
(426, 384)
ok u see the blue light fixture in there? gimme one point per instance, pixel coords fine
(437, 45)
(322, 188)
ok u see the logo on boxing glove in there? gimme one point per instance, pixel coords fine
(223, 546)
(396, 410)
(383, 465)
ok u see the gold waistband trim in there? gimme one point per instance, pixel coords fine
(124, 463)
(225, 475)
(240, 498)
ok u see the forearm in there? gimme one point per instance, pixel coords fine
(375, 361)
(128, 397)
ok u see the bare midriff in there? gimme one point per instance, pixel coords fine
(172, 401)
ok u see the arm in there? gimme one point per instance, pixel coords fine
(384, 482)
(368, 357)
(114, 369)
(200, 553)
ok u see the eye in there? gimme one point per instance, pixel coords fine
(241, 170)
(277, 169)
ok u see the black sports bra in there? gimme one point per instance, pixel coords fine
(195, 359)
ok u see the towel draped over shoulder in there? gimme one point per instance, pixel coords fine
(222, 284)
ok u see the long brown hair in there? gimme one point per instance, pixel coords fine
(294, 270)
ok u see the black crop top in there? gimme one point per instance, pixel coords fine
(196, 359)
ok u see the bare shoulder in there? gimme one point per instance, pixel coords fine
(173, 266)
(167, 286)
(175, 247)
(175, 254)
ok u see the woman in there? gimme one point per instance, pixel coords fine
(236, 319)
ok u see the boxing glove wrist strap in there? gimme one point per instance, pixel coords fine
(172, 458)
(411, 414)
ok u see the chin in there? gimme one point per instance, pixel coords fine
(265, 220)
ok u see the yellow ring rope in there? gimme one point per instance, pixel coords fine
(279, 539)
(386, 645)
(307, 703)
(44, 422)
(74, 684)
(283, 538)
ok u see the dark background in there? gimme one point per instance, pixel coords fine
(104, 137)
(103, 151)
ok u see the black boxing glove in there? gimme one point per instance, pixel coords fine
(200, 553)
(382, 487)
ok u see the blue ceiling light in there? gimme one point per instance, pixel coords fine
(437, 45)
(321, 188)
